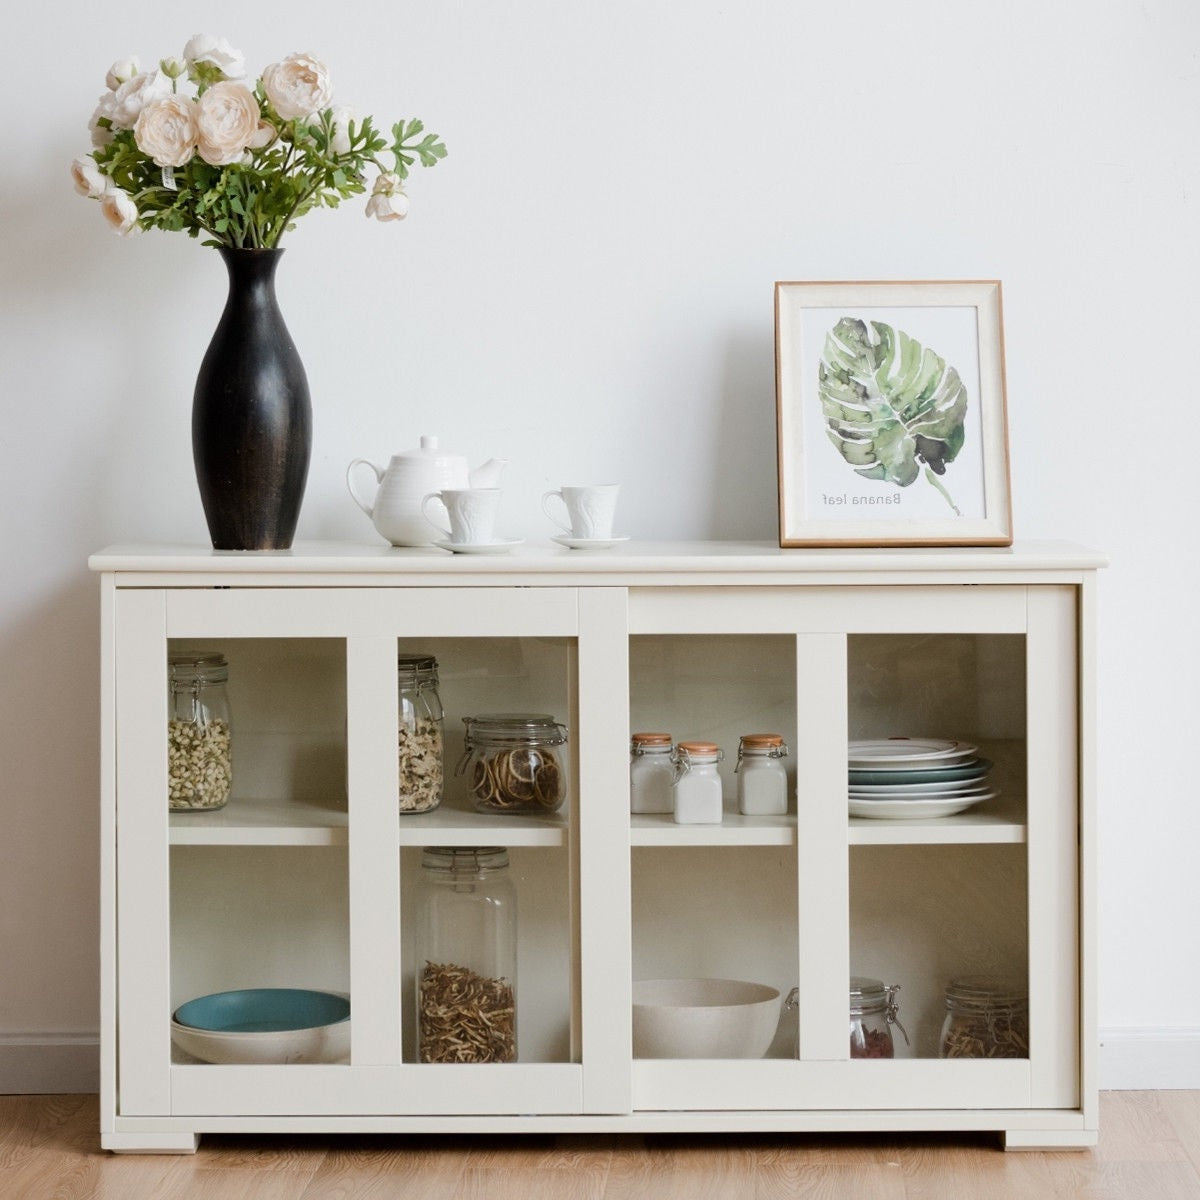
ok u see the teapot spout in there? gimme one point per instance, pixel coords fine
(487, 475)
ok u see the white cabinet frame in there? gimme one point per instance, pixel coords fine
(368, 599)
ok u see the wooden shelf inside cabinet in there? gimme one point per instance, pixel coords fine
(659, 829)
(260, 823)
(449, 826)
(998, 822)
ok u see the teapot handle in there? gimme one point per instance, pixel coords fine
(369, 509)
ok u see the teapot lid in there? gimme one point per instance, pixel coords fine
(427, 450)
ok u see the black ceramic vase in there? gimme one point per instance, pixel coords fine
(251, 416)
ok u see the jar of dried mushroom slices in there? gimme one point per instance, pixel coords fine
(514, 762)
(465, 922)
(985, 1018)
(199, 737)
(420, 733)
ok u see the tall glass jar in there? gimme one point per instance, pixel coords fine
(420, 734)
(516, 762)
(199, 733)
(466, 953)
(873, 1012)
(650, 773)
(697, 797)
(985, 1018)
(761, 777)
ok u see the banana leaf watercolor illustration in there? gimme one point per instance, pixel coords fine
(894, 409)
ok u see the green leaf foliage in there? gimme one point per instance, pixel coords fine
(894, 409)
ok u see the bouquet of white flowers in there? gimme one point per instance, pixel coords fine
(190, 145)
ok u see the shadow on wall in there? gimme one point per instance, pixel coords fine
(49, 732)
(744, 496)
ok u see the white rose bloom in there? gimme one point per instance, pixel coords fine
(298, 86)
(166, 131)
(101, 135)
(89, 180)
(123, 70)
(119, 210)
(388, 201)
(227, 119)
(133, 95)
(217, 52)
(342, 116)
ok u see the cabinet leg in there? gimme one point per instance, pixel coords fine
(1049, 1139)
(167, 1141)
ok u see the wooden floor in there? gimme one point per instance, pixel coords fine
(1149, 1150)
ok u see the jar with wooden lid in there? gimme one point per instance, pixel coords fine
(761, 777)
(985, 1017)
(696, 786)
(650, 773)
(199, 732)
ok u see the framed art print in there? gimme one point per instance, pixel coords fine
(891, 414)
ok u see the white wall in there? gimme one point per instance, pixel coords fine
(585, 287)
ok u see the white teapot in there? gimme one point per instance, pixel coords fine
(410, 476)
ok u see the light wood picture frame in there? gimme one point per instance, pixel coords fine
(891, 414)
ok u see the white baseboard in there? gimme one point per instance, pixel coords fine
(40, 1063)
(1130, 1059)
(1136, 1059)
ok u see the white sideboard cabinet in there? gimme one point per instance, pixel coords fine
(306, 878)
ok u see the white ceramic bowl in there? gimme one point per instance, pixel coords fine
(703, 1018)
(265, 1025)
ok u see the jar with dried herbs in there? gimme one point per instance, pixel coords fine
(199, 734)
(465, 921)
(515, 762)
(985, 1018)
(420, 734)
(873, 1012)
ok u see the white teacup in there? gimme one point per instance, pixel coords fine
(472, 513)
(590, 510)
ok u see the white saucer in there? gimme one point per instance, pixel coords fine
(500, 547)
(573, 543)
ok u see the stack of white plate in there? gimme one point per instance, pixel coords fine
(904, 779)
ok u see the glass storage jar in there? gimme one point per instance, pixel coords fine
(650, 773)
(761, 777)
(516, 762)
(697, 797)
(199, 733)
(985, 1018)
(420, 734)
(873, 1011)
(466, 953)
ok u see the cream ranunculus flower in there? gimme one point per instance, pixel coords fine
(133, 95)
(166, 131)
(298, 86)
(341, 115)
(227, 120)
(119, 210)
(102, 134)
(89, 179)
(123, 70)
(388, 201)
(214, 52)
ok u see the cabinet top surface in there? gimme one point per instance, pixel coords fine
(630, 561)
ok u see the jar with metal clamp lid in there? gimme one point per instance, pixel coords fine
(761, 777)
(516, 760)
(985, 1018)
(199, 734)
(465, 923)
(420, 734)
(650, 773)
(697, 797)
(873, 1012)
